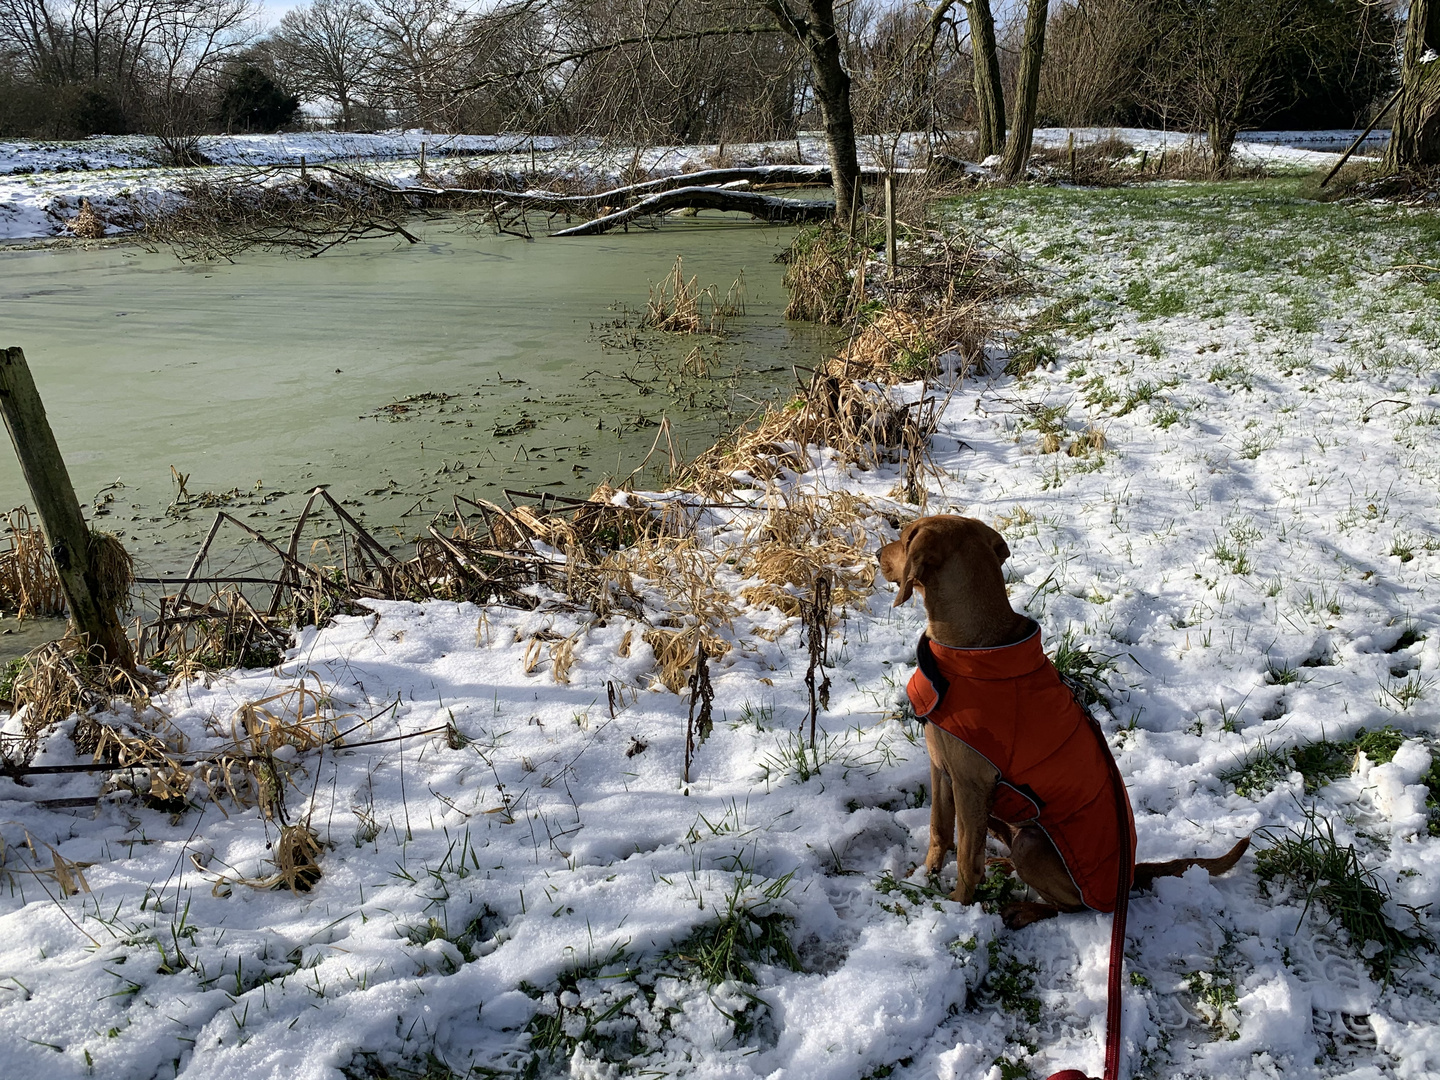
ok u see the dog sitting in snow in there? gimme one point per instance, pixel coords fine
(1011, 751)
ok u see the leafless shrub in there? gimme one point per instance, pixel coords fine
(273, 210)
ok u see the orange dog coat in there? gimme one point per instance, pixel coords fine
(1010, 706)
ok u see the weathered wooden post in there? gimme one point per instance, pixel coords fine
(59, 510)
(1072, 157)
(890, 225)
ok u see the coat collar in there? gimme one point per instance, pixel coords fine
(942, 663)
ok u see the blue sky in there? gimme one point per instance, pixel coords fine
(271, 10)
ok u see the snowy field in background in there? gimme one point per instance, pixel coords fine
(42, 183)
(1257, 547)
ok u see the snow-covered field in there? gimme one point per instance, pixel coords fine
(42, 183)
(532, 886)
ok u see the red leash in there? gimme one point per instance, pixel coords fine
(1114, 989)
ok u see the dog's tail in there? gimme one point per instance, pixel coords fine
(1147, 872)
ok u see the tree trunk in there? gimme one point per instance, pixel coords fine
(1027, 91)
(831, 83)
(1415, 132)
(1221, 131)
(989, 97)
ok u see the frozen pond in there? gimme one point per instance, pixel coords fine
(397, 375)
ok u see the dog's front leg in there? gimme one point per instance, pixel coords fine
(972, 812)
(942, 805)
(971, 781)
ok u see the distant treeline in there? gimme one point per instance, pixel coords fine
(696, 71)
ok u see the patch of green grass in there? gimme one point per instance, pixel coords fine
(1083, 670)
(12, 671)
(1141, 393)
(997, 890)
(1282, 675)
(1167, 417)
(1046, 419)
(1409, 635)
(1012, 982)
(1258, 771)
(1318, 762)
(1031, 351)
(1328, 873)
(1231, 375)
(1010, 1069)
(1151, 303)
(1216, 998)
(1401, 691)
(723, 950)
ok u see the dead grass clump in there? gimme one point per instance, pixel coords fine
(900, 346)
(1099, 163)
(114, 570)
(299, 717)
(59, 680)
(1408, 187)
(192, 636)
(87, 224)
(803, 538)
(1092, 438)
(824, 268)
(161, 781)
(296, 855)
(28, 583)
(678, 306)
(857, 420)
(296, 862)
(676, 650)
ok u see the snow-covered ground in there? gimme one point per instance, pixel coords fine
(1256, 548)
(42, 183)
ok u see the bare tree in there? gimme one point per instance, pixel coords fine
(1027, 89)
(1215, 64)
(989, 94)
(152, 57)
(1095, 53)
(989, 91)
(811, 24)
(421, 54)
(1415, 131)
(328, 49)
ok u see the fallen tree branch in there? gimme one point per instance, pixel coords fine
(816, 175)
(766, 207)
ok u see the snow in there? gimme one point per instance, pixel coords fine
(1265, 500)
(42, 182)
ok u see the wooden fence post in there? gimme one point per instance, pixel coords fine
(58, 508)
(890, 225)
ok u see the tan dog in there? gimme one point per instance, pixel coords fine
(954, 563)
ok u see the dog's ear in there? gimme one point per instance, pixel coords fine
(997, 542)
(922, 559)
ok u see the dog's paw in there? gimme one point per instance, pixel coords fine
(1022, 913)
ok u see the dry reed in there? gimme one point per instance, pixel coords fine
(679, 306)
(28, 583)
